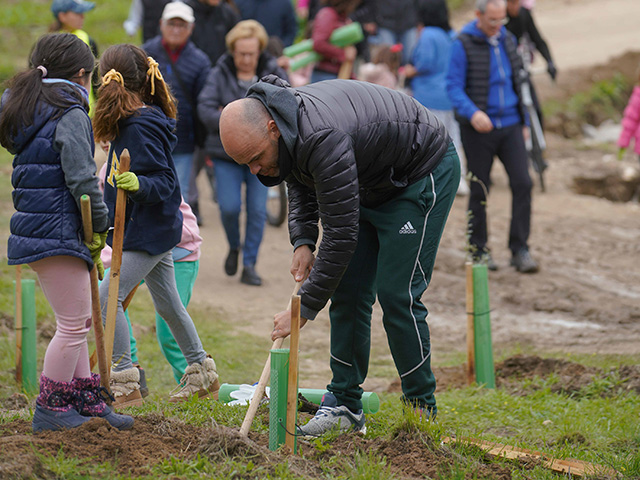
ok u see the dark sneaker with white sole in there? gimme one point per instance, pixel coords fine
(330, 416)
(524, 263)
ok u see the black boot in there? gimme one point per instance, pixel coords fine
(250, 277)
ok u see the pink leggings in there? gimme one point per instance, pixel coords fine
(66, 283)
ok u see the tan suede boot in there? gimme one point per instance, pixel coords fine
(125, 387)
(200, 380)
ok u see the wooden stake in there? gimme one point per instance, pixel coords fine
(577, 468)
(96, 315)
(116, 257)
(292, 385)
(262, 383)
(18, 322)
(93, 358)
(345, 70)
(471, 354)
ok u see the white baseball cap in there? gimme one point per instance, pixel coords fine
(178, 10)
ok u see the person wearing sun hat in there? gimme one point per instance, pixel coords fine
(69, 18)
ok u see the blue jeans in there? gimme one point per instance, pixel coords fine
(184, 164)
(319, 76)
(408, 39)
(229, 178)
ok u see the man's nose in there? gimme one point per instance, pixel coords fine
(254, 169)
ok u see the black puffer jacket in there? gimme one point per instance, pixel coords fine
(221, 88)
(344, 144)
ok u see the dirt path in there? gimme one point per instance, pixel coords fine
(585, 299)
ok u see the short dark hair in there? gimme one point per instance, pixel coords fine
(434, 13)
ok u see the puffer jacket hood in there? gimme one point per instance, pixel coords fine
(344, 144)
(280, 100)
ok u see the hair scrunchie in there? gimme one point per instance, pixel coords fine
(154, 72)
(43, 69)
(112, 74)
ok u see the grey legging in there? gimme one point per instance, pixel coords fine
(157, 272)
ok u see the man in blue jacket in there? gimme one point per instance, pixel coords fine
(185, 68)
(483, 83)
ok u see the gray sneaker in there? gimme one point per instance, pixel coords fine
(331, 416)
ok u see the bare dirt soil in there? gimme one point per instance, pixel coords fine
(155, 438)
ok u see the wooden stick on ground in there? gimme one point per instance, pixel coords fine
(262, 383)
(471, 349)
(292, 386)
(96, 316)
(577, 468)
(116, 257)
(19, 325)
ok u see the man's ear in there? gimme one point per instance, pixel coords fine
(81, 73)
(273, 129)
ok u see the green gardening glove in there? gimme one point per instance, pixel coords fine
(98, 241)
(127, 181)
(621, 153)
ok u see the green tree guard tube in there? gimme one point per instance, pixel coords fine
(485, 374)
(278, 397)
(370, 400)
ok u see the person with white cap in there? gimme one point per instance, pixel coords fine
(184, 68)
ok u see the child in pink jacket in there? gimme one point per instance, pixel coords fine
(630, 124)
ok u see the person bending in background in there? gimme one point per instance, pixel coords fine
(229, 80)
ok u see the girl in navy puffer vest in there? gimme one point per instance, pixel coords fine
(136, 111)
(44, 123)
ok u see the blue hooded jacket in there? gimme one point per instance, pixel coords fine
(502, 101)
(153, 218)
(47, 221)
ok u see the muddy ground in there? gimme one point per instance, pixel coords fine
(155, 438)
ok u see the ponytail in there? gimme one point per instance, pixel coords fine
(58, 55)
(129, 80)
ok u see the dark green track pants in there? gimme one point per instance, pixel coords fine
(394, 259)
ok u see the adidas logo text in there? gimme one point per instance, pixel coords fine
(407, 228)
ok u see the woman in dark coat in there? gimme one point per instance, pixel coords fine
(229, 80)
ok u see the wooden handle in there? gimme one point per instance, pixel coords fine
(292, 385)
(19, 325)
(345, 70)
(116, 257)
(262, 383)
(96, 314)
(471, 361)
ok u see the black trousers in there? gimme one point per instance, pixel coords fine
(480, 149)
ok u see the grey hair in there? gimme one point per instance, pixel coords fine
(481, 5)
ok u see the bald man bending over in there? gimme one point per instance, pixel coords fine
(381, 173)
